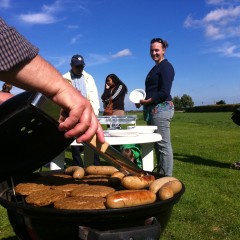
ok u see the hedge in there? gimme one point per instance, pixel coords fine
(214, 108)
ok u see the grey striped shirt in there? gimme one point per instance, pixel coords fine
(14, 48)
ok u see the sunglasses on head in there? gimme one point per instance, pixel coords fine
(156, 40)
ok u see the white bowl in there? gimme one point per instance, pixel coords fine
(136, 95)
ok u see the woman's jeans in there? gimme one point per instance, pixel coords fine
(162, 115)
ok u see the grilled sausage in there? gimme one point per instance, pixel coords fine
(115, 179)
(100, 170)
(135, 182)
(129, 198)
(165, 192)
(175, 185)
(76, 172)
(158, 183)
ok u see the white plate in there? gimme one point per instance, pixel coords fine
(136, 95)
(122, 133)
(143, 129)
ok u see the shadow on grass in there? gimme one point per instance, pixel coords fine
(201, 161)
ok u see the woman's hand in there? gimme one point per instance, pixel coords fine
(145, 101)
(138, 105)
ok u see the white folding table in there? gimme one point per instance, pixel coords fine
(145, 140)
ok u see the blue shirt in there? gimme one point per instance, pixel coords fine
(158, 82)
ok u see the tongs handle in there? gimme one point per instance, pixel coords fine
(114, 157)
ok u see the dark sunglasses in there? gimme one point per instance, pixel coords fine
(156, 40)
(79, 66)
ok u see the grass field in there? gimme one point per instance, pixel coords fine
(205, 145)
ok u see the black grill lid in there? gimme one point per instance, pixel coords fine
(29, 137)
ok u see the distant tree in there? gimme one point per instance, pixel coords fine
(187, 101)
(177, 103)
(220, 102)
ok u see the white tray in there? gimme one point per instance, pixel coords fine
(122, 133)
(143, 129)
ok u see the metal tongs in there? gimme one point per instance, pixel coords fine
(114, 157)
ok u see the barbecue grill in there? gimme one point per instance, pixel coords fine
(31, 139)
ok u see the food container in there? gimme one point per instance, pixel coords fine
(21, 127)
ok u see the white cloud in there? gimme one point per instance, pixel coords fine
(37, 18)
(223, 14)
(229, 50)
(46, 16)
(60, 61)
(190, 22)
(122, 53)
(55, 7)
(97, 59)
(221, 22)
(234, 31)
(215, 2)
(4, 3)
(213, 32)
(75, 39)
(218, 23)
(72, 26)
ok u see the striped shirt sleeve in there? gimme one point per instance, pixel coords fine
(117, 92)
(14, 48)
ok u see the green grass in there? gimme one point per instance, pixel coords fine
(205, 145)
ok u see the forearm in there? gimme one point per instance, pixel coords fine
(106, 94)
(21, 66)
(36, 75)
(5, 96)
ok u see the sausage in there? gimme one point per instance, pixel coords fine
(129, 198)
(175, 185)
(135, 182)
(158, 183)
(76, 172)
(115, 179)
(165, 192)
(100, 170)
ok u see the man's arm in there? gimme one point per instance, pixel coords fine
(33, 73)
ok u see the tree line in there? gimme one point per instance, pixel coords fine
(185, 101)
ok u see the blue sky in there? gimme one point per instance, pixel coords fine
(113, 36)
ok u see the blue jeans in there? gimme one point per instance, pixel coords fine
(161, 117)
(76, 155)
(76, 150)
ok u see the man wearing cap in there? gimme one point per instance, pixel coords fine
(85, 83)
